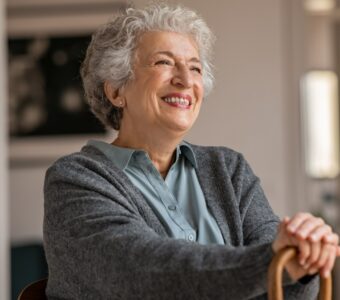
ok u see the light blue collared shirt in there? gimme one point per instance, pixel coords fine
(178, 200)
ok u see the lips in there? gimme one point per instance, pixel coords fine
(178, 100)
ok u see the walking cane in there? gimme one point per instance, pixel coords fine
(275, 276)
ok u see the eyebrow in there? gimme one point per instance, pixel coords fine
(168, 53)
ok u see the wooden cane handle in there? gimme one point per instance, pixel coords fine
(275, 276)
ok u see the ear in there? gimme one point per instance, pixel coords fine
(113, 95)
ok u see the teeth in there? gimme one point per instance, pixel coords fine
(181, 101)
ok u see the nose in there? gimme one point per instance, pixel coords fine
(182, 77)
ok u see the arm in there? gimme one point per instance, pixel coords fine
(260, 224)
(98, 245)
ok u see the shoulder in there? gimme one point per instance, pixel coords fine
(215, 151)
(88, 163)
(219, 157)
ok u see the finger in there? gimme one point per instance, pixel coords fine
(327, 269)
(331, 238)
(314, 255)
(326, 251)
(308, 226)
(296, 221)
(338, 251)
(283, 238)
(320, 232)
(304, 251)
(323, 258)
(286, 220)
(312, 270)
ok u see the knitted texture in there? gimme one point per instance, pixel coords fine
(103, 241)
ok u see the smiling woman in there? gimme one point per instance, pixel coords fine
(150, 216)
(163, 99)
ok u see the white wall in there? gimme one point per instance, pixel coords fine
(252, 108)
(4, 246)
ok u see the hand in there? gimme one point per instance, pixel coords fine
(316, 242)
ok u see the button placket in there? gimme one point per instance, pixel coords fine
(172, 207)
(166, 196)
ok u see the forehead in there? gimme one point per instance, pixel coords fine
(153, 42)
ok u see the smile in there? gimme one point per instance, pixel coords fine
(176, 100)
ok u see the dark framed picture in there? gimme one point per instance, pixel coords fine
(45, 89)
(47, 112)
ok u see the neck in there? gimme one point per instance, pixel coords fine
(160, 148)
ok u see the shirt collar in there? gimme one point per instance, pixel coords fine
(185, 149)
(119, 155)
(122, 156)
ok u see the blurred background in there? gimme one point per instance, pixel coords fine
(275, 100)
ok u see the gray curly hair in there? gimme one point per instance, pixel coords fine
(110, 54)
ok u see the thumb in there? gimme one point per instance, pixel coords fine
(337, 250)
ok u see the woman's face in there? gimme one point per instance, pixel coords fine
(166, 91)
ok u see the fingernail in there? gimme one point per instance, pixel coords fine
(286, 219)
(291, 228)
(312, 271)
(326, 274)
(302, 235)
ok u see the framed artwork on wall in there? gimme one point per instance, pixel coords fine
(45, 89)
(47, 111)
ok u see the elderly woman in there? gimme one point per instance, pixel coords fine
(151, 216)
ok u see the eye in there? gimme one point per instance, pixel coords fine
(163, 62)
(196, 69)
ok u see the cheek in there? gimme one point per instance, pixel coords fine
(155, 77)
(199, 85)
(155, 86)
(200, 92)
(162, 74)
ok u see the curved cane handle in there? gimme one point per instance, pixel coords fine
(275, 276)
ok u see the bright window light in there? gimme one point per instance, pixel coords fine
(319, 5)
(320, 113)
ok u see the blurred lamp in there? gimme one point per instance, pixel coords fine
(320, 115)
(319, 5)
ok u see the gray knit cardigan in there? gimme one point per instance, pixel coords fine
(103, 241)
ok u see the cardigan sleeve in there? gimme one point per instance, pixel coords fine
(259, 224)
(98, 246)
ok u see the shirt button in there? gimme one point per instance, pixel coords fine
(190, 237)
(172, 207)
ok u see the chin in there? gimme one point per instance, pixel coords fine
(178, 126)
(181, 127)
